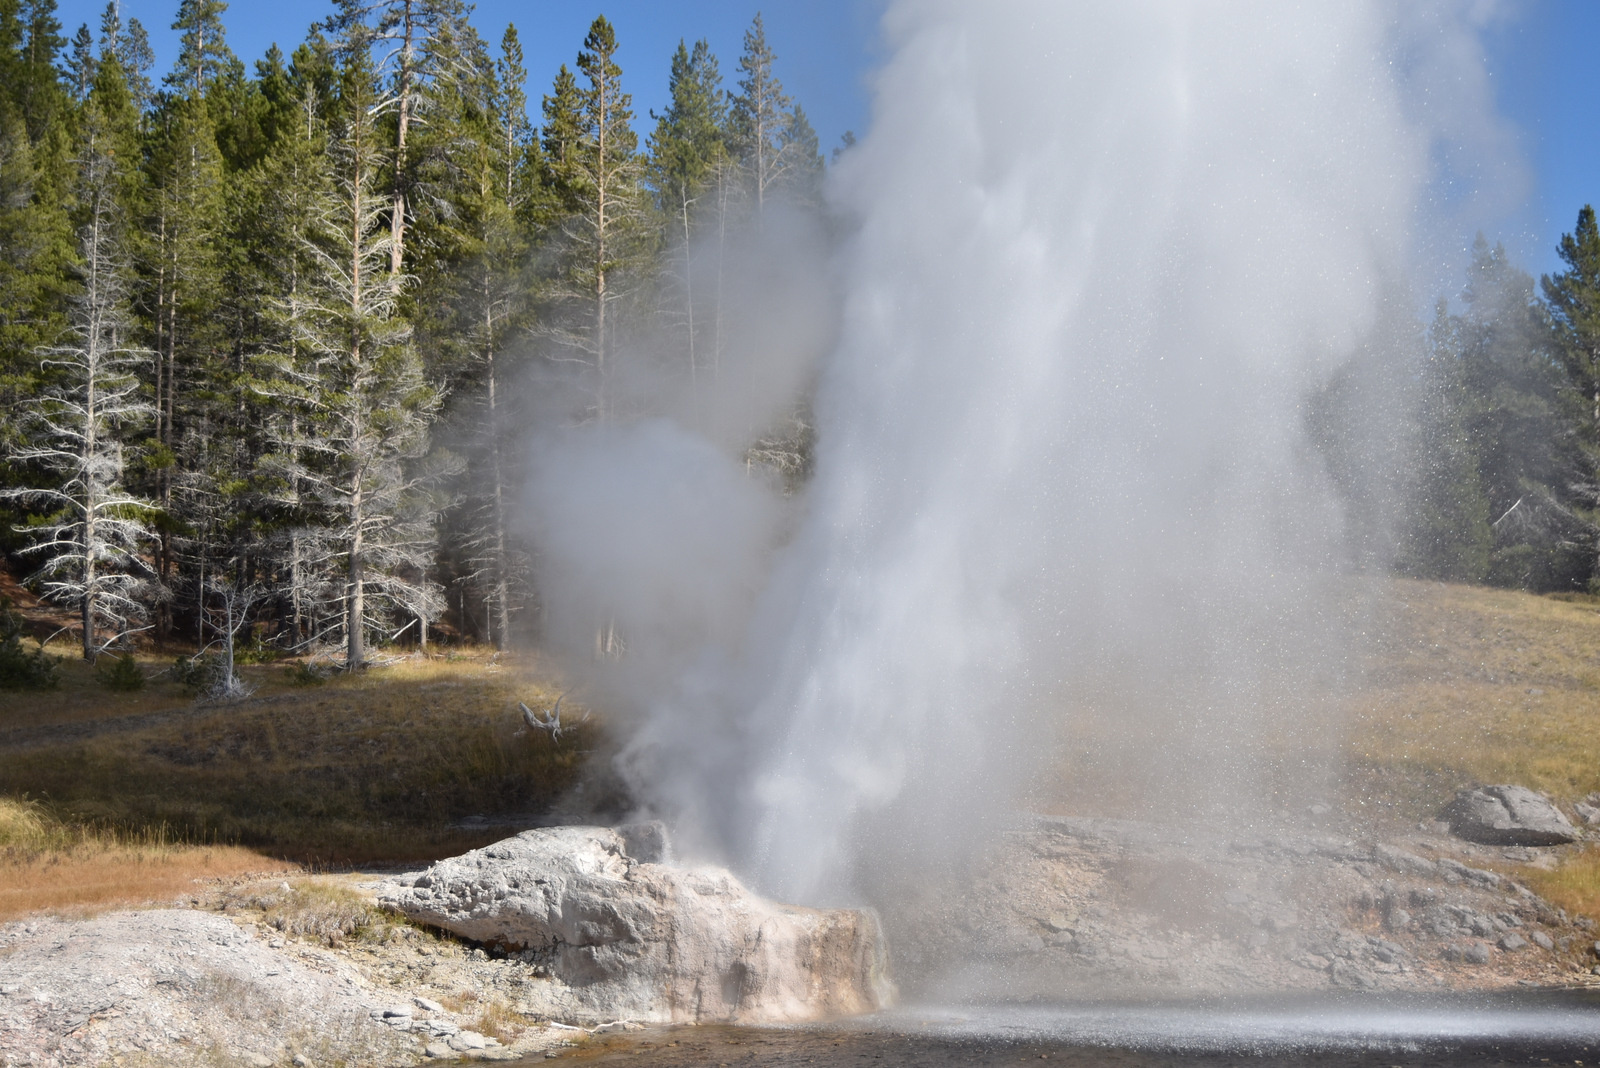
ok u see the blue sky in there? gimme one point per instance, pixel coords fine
(1540, 53)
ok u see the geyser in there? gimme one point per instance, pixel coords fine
(1102, 258)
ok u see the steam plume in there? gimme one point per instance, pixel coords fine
(1103, 256)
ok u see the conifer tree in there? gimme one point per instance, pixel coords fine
(1573, 299)
(131, 46)
(182, 283)
(371, 404)
(598, 174)
(405, 32)
(80, 425)
(203, 52)
(687, 156)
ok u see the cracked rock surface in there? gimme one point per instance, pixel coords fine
(1085, 908)
(618, 931)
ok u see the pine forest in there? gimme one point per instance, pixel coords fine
(272, 337)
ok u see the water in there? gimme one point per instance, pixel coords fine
(1546, 1027)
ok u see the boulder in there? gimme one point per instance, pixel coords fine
(1508, 815)
(621, 932)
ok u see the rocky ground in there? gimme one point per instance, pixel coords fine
(269, 973)
(1092, 907)
(218, 983)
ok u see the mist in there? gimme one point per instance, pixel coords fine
(1065, 512)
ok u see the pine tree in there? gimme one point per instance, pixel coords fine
(371, 404)
(496, 157)
(94, 535)
(131, 46)
(687, 155)
(561, 135)
(1573, 299)
(406, 32)
(182, 283)
(1446, 534)
(598, 176)
(80, 69)
(37, 187)
(203, 52)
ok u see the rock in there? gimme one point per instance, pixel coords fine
(1508, 815)
(394, 1011)
(428, 1004)
(1589, 814)
(1349, 974)
(465, 1040)
(1542, 940)
(1398, 919)
(1512, 941)
(628, 934)
(438, 1049)
(1476, 953)
(253, 1059)
(300, 1060)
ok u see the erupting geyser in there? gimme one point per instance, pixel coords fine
(1102, 258)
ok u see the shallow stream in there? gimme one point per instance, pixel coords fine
(1535, 1028)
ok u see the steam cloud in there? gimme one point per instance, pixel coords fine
(1064, 499)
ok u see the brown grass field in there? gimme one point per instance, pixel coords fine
(109, 797)
(112, 796)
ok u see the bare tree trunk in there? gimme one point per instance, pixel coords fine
(502, 582)
(355, 600)
(397, 222)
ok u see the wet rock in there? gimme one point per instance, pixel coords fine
(626, 936)
(1349, 974)
(1508, 815)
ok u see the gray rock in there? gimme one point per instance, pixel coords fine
(1512, 941)
(428, 1004)
(1542, 940)
(1398, 919)
(1401, 861)
(438, 1049)
(1589, 814)
(642, 939)
(1476, 953)
(466, 1040)
(1349, 974)
(1508, 815)
(395, 1011)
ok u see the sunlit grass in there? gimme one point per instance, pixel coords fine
(48, 864)
(1574, 885)
(375, 767)
(1472, 685)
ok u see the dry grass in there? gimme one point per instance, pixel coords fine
(1477, 685)
(369, 768)
(320, 909)
(49, 865)
(1574, 886)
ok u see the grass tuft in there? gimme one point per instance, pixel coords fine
(319, 909)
